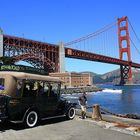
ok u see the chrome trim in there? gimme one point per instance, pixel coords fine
(16, 121)
(53, 117)
(3, 117)
(47, 118)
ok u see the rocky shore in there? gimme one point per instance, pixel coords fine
(80, 89)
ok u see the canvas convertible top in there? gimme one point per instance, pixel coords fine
(23, 75)
(11, 76)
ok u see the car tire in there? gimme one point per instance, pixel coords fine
(31, 119)
(71, 113)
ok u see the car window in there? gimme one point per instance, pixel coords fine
(30, 88)
(50, 89)
(46, 89)
(1, 85)
(40, 88)
(19, 88)
(53, 87)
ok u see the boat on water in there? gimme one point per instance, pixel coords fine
(112, 90)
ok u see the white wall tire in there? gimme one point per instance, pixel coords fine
(71, 113)
(31, 119)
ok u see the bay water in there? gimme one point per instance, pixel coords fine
(127, 102)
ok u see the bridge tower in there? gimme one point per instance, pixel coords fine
(124, 48)
(1, 42)
(61, 57)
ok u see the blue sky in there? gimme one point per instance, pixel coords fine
(53, 21)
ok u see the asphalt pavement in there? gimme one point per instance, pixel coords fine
(62, 129)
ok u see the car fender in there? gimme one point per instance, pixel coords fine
(68, 106)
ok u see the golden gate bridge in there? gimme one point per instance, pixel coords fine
(117, 43)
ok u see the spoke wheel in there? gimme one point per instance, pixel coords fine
(31, 119)
(71, 113)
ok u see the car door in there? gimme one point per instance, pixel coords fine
(47, 101)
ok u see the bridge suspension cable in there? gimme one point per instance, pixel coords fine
(134, 31)
(135, 42)
(103, 42)
(107, 27)
(135, 46)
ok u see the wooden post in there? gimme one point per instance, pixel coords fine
(96, 114)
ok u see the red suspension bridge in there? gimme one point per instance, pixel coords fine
(111, 44)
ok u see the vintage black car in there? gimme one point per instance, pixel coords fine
(28, 98)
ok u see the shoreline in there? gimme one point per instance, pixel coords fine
(73, 90)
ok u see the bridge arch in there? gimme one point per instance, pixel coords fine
(39, 54)
(36, 61)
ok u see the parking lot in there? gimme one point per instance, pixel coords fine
(61, 129)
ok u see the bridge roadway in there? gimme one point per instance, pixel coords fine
(73, 53)
(61, 129)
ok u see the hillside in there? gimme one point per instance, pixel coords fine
(114, 77)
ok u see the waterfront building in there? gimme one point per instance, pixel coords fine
(73, 79)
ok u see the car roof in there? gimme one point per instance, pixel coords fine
(23, 75)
